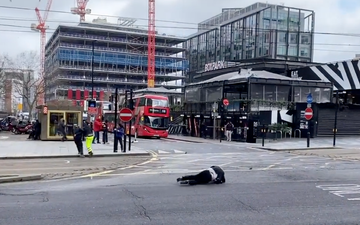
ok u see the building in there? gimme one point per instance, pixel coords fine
(120, 60)
(255, 97)
(17, 89)
(345, 78)
(258, 31)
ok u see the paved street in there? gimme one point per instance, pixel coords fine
(53, 168)
(263, 187)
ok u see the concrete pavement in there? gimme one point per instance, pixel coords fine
(296, 191)
(35, 149)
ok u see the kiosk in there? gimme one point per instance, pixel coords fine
(50, 115)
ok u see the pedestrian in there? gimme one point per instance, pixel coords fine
(212, 175)
(61, 129)
(119, 133)
(105, 128)
(229, 127)
(89, 137)
(78, 136)
(97, 128)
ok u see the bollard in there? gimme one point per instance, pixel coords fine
(263, 136)
(308, 139)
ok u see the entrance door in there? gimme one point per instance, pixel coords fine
(71, 118)
(55, 118)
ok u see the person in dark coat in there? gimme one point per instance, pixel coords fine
(119, 133)
(105, 128)
(61, 129)
(78, 139)
(212, 175)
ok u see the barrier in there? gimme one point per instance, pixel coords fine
(296, 133)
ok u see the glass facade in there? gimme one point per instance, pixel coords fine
(271, 31)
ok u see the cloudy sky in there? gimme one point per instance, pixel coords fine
(332, 16)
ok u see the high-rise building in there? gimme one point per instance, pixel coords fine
(258, 31)
(16, 90)
(120, 60)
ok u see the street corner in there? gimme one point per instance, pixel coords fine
(19, 178)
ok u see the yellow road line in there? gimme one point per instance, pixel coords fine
(154, 157)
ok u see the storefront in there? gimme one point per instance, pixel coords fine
(50, 117)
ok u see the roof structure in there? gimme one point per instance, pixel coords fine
(245, 74)
(159, 90)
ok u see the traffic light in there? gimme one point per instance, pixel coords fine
(221, 107)
(111, 98)
(92, 103)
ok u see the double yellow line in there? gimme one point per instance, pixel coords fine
(154, 156)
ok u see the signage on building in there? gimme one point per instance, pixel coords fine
(215, 66)
(160, 111)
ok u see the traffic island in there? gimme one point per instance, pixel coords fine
(19, 178)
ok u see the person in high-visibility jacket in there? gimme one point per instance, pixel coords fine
(89, 137)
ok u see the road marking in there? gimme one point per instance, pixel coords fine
(154, 157)
(341, 190)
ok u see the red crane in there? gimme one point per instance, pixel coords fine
(81, 9)
(41, 27)
(151, 45)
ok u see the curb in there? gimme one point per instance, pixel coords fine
(297, 149)
(74, 156)
(177, 139)
(17, 178)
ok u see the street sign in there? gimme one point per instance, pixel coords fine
(309, 99)
(225, 102)
(126, 115)
(92, 111)
(308, 113)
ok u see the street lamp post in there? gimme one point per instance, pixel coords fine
(92, 69)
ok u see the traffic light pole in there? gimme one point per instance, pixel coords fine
(126, 98)
(131, 106)
(115, 120)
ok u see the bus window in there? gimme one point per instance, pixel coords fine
(157, 102)
(142, 101)
(156, 122)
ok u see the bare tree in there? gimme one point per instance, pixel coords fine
(27, 84)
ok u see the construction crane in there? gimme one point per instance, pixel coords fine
(151, 45)
(41, 27)
(81, 9)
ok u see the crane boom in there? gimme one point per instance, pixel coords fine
(151, 45)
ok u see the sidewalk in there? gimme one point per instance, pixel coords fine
(282, 144)
(57, 149)
(345, 154)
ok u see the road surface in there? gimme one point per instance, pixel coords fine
(262, 188)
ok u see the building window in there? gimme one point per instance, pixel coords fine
(304, 52)
(282, 37)
(292, 51)
(293, 38)
(281, 50)
(305, 39)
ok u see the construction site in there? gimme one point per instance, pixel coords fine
(94, 58)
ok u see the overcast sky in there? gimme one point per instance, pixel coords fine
(333, 16)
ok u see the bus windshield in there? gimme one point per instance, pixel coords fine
(157, 102)
(156, 122)
(110, 117)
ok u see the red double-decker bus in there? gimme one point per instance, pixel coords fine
(151, 116)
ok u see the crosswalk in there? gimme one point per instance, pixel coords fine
(170, 163)
(163, 152)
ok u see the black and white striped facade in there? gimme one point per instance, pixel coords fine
(344, 75)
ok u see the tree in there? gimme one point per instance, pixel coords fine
(26, 84)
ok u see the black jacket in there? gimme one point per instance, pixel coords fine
(87, 130)
(78, 133)
(220, 175)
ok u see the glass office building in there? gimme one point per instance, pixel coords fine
(258, 31)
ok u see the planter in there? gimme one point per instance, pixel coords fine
(273, 136)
